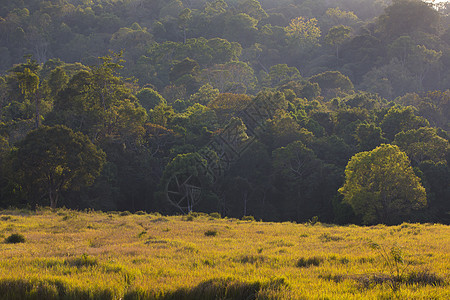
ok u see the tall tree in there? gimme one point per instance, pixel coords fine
(381, 186)
(29, 84)
(338, 35)
(51, 160)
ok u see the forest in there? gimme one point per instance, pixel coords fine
(287, 110)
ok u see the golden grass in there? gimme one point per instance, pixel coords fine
(94, 255)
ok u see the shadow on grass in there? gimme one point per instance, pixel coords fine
(222, 288)
(22, 289)
(365, 281)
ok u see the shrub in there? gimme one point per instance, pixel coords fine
(215, 215)
(83, 261)
(329, 238)
(248, 218)
(211, 232)
(313, 221)
(307, 262)
(424, 277)
(124, 213)
(252, 259)
(15, 238)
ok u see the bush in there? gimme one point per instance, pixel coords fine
(248, 218)
(307, 262)
(124, 213)
(252, 259)
(15, 238)
(83, 261)
(189, 218)
(211, 232)
(424, 277)
(215, 215)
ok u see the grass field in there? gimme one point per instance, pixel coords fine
(94, 255)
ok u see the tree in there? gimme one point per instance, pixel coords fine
(149, 98)
(381, 186)
(303, 33)
(99, 103)
(185, 181)
(183, 19)
(281, 73)
(407, 16)
(369, 136)
(337, 35)
(401, 119)
(226, 105)
(332, 81)
(204, 95)
(241, 28)
(253, 9)
(29, 84)
(305, 182)
(51, 160)
(232, 77)
(335, 17)
(423, 144)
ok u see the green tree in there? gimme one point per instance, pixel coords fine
(226, 105)
(51, 160)
(401, 119)
(408, 16)
(98, 102)
(253, 9)
(332, 81)
(303, 33)
(381, 186)
(149, 98)
(369, 136)
(281, 73)
(183, 19)
(204, 95)
(185, 181)
(336, 16)
(306, 184)
(423, 144)
(29, 85)
(338, 35)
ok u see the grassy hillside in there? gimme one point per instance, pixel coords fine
(75, 255)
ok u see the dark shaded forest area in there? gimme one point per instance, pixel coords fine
(295, 110)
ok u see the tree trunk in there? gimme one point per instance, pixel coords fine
(37, 113)
(53, 195)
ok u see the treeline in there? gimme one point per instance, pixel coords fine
(135, 130)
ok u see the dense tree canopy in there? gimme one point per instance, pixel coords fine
(255, 107)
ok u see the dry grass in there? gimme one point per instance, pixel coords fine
(93, 255)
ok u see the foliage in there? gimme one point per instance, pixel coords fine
(51, 160)
(242, 85)
(303, 32)
(15, 238)
(380, 185)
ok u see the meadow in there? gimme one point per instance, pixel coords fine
(68, 254)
